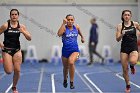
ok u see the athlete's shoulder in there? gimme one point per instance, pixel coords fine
(77, 26)
(120, 24)
(135, 23)
(4, 26)
(22, 25)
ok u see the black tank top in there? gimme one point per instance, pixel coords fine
(11, 36)
(130, 36)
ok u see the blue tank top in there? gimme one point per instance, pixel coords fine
(69, 39)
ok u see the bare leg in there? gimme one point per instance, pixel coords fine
(72, 59)
(65, 67)
(133, 58)
(124, 62)
(17, 60)
(65, 70)
(7, 64)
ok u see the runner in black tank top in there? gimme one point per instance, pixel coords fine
(129, 40)
(126, 31)
(11, 39)
(11, 36)
(11, 54)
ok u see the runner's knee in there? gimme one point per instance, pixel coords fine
(8, 71)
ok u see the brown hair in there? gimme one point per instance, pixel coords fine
(124, 12)
(14, 10)
(69, 15)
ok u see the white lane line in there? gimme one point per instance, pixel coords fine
(53, 83)
(8, 89)
(130, 81)
(40, 81)
(85, 75)
(84, 81)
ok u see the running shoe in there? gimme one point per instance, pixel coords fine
(14, 90)
(71, 85)
(65, 84)
(127, 90)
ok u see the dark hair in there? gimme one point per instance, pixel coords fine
(124, 12)
(69, 15)
(14, 10)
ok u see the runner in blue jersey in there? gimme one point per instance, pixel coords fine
(126, 31)
(70, 50)
(11, 51)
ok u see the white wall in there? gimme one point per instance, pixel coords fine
(66, 1)
(51, 16)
